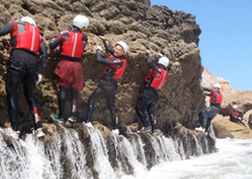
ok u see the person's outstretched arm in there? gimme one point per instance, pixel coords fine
(150, 62)
(61, 38)
(7, 28)
(107, 45)
(106, 61)
(44, 55)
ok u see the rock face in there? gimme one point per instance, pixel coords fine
(159, 29)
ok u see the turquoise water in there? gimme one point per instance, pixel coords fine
(232, 161)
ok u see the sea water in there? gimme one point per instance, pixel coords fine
(232, 161)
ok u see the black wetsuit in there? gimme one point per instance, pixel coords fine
(148, 97)
(108, 86)
(210, 112)
(236, 116)
(69, 72)
(22, 68)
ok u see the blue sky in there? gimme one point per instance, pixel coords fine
(226, 37)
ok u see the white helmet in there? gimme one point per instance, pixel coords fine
(80, 21)
(123, 45)
(28, 20)
(164, 61)
(217, 85)
(235, 106)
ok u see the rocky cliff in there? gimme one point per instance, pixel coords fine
(156, 28)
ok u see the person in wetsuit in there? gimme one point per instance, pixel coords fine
(26, 43)
(236, 115)
(69, 71)
(210, 112)
(112, 72)
(148, 97)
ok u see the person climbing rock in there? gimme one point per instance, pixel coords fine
(26, 43)
(236, 116)
(69, 71)
(112, 72)
(148, 97)
(210, 112)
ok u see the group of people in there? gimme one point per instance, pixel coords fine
(210, 112)
(27, 43)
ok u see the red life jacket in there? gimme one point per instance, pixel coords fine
(118, 71)
(158, 81)
(28, 39)
(216, 98)
(73, 47)
(235, 113)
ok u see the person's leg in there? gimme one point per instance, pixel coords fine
(144, 100)
(202, 116)
(152, 117)
(209, 114)
(76, 85)
(13, 82)
(95, 96)
(153, 98)
(29, 87)
(62, 98)
(201, 119)
(209, 120)
(33, 105)
(111, 106)
(240, 121)
(29, 91)
(74, 95)
(12, 104)
(140, 110)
